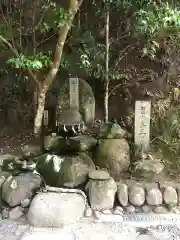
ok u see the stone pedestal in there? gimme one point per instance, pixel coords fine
(101, 190)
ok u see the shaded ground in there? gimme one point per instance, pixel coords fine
(12, 140)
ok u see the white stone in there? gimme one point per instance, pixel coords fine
(119, 208)
(97, 214)
(170, 195)
(117, 212)
(25, 202)
(130, 209)
(88, 212)
(56, 209)
(106, 212)
(122, 194)
(154, 197)
(137, 196)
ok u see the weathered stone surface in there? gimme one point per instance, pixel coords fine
(82, 143)
(122, 194)
(86, 100)
(111, 131)
(69, 117)
(147, 168)
(16, 213)
(88, 212)
(113, 155)
(3, 176)
(17, 188)
(67, 170)
(170, 196)
(56, 144)
(98, 175)
(25, 202)
(160, 210)
(106, 212)
(7, 162)
(176, 210)
(101, 193)
(59, 144)
(130, 209)
(146, 209)
(137, 195)
(119, 208)
(5, 213)
(154, 197)
(31, 150)
(56, 209)
(117, 212)
(5, 157)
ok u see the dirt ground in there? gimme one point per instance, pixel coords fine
(12, 140)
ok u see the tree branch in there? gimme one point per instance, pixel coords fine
(15, 52)
(63, 32)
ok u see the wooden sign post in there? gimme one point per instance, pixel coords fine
(142, 124)
(74, 92)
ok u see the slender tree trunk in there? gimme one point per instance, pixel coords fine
(63, 32)
(40, 110)
(106, 83)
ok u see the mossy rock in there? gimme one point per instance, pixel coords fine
(113, 155)
(69, 171)
(111, 131)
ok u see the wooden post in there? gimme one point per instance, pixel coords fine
(142, 124)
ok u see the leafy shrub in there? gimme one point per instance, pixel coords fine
(166, 129)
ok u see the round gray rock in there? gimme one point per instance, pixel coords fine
(56, 209)
(16, 189)
(122, 194)
(99, 175)
(137, 195)
(170, 195)
(154, 197)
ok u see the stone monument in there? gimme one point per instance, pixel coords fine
(142, 124)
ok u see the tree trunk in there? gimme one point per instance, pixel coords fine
(106, 83)
(40, 111)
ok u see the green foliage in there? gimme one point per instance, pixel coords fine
(62, 17)
(156, 21)
(38, 62)
(166, 128)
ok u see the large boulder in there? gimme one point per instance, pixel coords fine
(113, 155)
(67, 170)
(86, 100)
(56, 209)
(17, 188)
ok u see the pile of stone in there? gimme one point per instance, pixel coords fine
(148, 197)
